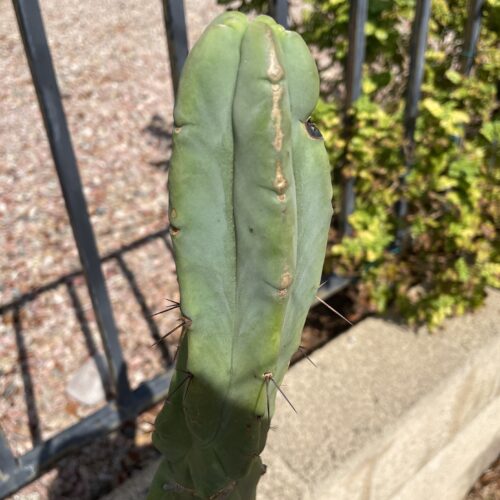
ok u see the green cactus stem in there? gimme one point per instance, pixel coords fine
(250, 208)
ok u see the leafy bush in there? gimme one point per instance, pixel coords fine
(453, 187)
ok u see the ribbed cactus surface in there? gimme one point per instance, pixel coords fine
(250, 207)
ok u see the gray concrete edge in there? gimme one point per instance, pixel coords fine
(389, 414)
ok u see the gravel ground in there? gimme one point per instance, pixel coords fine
(112, 66)
(487, 487)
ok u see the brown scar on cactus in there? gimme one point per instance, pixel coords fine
(224, 493)
(275, 73)
(174, 231)
(174, 487)
(285, 283)
(275, 70)
(280, 183)
(277, 91)
(286, 280)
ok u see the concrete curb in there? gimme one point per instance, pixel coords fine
(383, 405)
(389, 414)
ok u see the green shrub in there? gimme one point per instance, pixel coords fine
(453, 188)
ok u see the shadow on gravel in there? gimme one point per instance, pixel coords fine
(160, 132)
(101, 466)
(29, 392)
(16, 306)
(104, 463)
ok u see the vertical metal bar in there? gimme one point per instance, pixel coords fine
(418, 43)
(471, 36)
(358, 12)
(30, 23)
(176, 33)
(278, 9)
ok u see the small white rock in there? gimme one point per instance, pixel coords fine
(85, 385)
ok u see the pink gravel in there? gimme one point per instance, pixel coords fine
(112, 66)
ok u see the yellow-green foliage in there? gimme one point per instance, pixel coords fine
(453, 189)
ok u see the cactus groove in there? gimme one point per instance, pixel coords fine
(250, 207)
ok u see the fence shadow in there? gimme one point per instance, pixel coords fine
(145, 310)
(100, 466)
(160, 132)
(29, 393)
(13, 312)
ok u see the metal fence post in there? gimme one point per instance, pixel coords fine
(472, 28)
(278, 9)
(30, 23)
(418, 43)
(176, 34)
(354, 71)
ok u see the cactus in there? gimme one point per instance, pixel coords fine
(250, 207)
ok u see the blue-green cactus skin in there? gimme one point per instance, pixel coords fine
(250, 207)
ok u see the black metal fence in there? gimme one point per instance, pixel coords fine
(123, 403)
